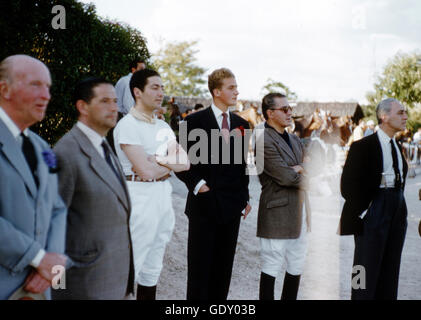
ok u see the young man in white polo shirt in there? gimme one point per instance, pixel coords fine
(148, 152)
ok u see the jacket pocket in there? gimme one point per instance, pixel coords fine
(277, 202)
(80, 260)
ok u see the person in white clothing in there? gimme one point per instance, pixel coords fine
(148, 151)
(417, 136)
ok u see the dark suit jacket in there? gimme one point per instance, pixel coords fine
(98, 236)
(228, 183)
(360, 180)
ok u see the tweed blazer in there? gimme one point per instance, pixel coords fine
(98, 237)
(283, 190)
(31, 218)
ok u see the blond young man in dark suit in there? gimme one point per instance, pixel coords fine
(218, 192)
(284, 212)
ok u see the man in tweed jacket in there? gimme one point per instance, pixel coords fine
(284, 213)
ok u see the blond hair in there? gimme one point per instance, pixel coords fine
(216, 77)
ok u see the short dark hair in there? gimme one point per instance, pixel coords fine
(140, 79)
(133, 63)
(268, 102)
(84, 89)
(198, 106)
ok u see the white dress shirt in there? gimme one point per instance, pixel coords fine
(388, 174)
(94, 137)
(218, 115)
(124, 96)
(13, 128)
(15, 131)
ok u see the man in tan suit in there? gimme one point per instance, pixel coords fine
(93, 188)
(284, 214)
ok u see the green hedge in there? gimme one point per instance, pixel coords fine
(89, 46)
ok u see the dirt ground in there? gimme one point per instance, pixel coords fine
(327, 275)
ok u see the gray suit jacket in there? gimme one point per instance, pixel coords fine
(98, 236)
(30, 218)
(283, 194)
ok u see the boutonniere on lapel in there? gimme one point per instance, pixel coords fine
(51, 160)
(239, 131)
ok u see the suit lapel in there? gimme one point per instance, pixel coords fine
(296, 150)
(281, 143)
(122, 176)
(377, 155)
(233, 122)
(100, 167)
(13, 152)
(404, 163)
(210, 121)
(42, 168)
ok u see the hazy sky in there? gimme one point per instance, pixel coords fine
(323, 50)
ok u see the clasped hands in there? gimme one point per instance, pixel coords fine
(40, 279)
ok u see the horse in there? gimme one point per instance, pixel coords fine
(332, 130)
(251, 115)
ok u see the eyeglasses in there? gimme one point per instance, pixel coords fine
(284, 109)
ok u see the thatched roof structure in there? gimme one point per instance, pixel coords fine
(336, 109)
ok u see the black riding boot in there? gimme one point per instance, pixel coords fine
(267, 287)
(146, 293)
(290, 289)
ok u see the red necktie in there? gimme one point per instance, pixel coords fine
(225, 127)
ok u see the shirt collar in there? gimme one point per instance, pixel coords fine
(383, 136)
(92, 135)
(285, 134)
(217, 112)
(139, 115)
(13, 128)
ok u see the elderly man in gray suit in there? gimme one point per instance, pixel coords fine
(93, 187)
(32, 214)
(284, 213)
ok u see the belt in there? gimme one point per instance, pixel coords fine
(388, 187)
(136, 178)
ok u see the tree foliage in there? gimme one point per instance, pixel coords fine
(181, 76)
(401, 79)
(89, 46)
(277, 86)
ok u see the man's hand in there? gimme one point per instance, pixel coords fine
(247, 209)
(176, 159)
(298, 169)
(35, 283)
(204, 188)
(50, 260)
